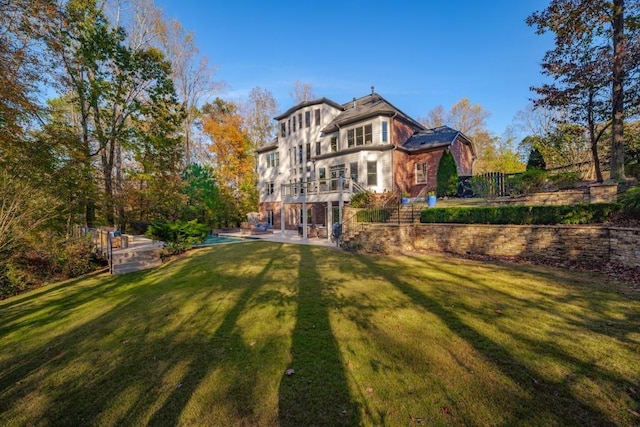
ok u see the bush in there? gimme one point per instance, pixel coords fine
(447, 177)
(530, 181)
(632, 170)
(536, 160)
(630, 202)
(77, 257)
(564, 180)
(363, 200)
(594, 213)
(178, 236)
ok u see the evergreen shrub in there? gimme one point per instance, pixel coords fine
(593, 213)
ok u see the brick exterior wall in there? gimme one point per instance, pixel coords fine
(463, 156)
(318, 213)
(400, 132)
(589, 244)
(404, 166)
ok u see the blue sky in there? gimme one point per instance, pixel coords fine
(417, 54)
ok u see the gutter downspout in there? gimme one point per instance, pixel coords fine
(393, 172)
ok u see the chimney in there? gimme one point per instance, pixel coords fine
(373, 89)
(354, 102)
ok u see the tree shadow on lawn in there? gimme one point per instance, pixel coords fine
(558, 398)
(318, 392)
(602, 303)
(145, 376)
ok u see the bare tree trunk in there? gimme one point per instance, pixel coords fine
(617, 138)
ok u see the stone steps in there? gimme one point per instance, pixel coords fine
(136, 259)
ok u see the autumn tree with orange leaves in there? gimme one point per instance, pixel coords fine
(234, 163)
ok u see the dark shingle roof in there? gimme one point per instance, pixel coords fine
(365, 107)
(433, 138)
(307, 104)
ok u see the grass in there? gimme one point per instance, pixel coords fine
(422, 339)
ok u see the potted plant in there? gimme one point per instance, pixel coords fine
(431, 199)
(404, 198)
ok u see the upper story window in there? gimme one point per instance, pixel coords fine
(385, 132)
(334, 144)
(317, 114)
(307, 119)
(300, 120)
(421, 173)
(318, 152)
(283, 129)
(308, 151)
(273, 159)
(362, 135)
(351, 139)
(300, 156)
(289, 127)
(294, 123)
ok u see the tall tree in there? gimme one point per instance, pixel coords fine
(234, 162)
(110, 83)
(21, 67)
(302, 92)
(258, 114)
(192, 75)
(588, 65)
(470, 119)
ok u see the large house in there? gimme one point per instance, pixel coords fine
(326, 152)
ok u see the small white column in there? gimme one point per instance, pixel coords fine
(329, 220)
(282, 217)
(304, 212)
(340, 199)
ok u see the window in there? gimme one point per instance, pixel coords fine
(359, 136)
(318, 152)
(353, 169)
(294, 123)
(308, 151)
(289, 127)
(322, 176)
(368, 134)
(270, 217)
(385, 132)
(421, 173)
(300, 156)
(300, 120)
(372, 173)
(270, 188)
(334, 144)
(317, 114)
(273, 159)
(307, 119)
(283, 129)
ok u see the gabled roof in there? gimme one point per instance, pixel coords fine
(442, 136)
(362, 108)
(307, 104)
(271, 145)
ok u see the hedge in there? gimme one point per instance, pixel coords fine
(592, 213)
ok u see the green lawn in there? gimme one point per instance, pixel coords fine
(420, 339)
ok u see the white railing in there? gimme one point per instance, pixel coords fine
(317, 187)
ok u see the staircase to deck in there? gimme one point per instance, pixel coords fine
(136, 257)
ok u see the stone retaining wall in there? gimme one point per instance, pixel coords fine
(586, 243)
(596, 193)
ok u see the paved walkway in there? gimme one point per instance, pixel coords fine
(289, 236)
